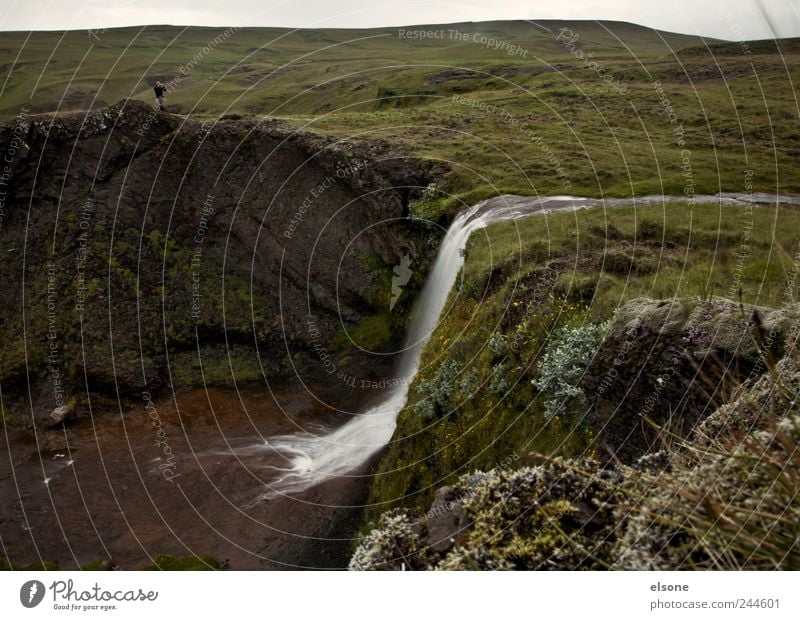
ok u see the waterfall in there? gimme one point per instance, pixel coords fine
(314, 458)
(308, 458)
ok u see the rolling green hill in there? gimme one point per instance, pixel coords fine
(553, 107)
(266, 70)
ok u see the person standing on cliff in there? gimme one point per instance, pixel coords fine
(160, 89)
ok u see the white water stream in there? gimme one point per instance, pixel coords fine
(314, 458)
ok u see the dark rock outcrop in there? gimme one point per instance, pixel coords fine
(142, 251)
(445, 521)
(669, 364)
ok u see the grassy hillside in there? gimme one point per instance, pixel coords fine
(266, 70)
(588, 108)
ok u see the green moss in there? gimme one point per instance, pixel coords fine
(167, 138)
(158, 316)
(41, 566)
(373, 332)
(558, 514)
(472, 426)
(431, 206)
(217, 366)
(192, 562)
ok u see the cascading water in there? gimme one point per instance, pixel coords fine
(309, 459)
(313, 458)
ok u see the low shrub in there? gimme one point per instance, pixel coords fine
(565, 360)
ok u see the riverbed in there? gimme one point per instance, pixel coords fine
(106, 489)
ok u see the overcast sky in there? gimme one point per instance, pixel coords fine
(728, 19)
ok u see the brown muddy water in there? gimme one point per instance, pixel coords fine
(117, 488)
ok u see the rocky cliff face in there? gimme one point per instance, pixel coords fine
(141, 251)
(667, 364)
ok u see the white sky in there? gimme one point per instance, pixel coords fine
(727, 19)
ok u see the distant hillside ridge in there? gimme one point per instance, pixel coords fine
(254, 70)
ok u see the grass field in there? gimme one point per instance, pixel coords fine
(512, 107)
(276, 70)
